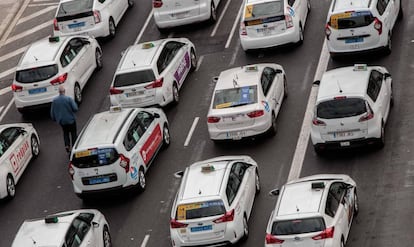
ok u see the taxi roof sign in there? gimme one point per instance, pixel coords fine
(147, 45)
(360, 67)
(207, 168)
(54, 39)
(250, 68)
(115, 108)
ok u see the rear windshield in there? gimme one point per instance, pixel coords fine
(200, 210)
(94, 157)
(74, 7)
(351, 20)
(264, 13)
(136, 77)
(233, 97)
(298, 226)
(36, 74)
(341, 108)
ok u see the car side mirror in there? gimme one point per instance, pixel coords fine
(22, 131)
(387, 75)
(179, 174)
(215, 79)
(278, 71)
(274, 192)
(95, 225)
(156, 115)
(317, 82)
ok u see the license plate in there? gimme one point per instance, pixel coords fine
(343, 134)
(265, 31)
(76, 25)
(136, 93)
(37, 90)
(201, 228)
(179, 15)
(345, 144)
(354, 40)
(99, 180)
(236, 135)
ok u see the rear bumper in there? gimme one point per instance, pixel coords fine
(337, 47)
(258, 128)
(98, 30)
(348, 144)
(164, 21)
(248, 43)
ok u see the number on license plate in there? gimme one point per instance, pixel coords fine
(345, 144)
(201, 228)
(99, 180)
(37, 90)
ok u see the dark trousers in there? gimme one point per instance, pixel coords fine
(69, 132)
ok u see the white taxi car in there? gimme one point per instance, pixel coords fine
(268, 23)
(97, 18)
(360, 25)
(19, 143)
(81, 228)
(48, 63)
(172, 13)
(246, 101)
(116, 148)
(214, 202)
(352, 107)
(313, 211)
(152, 73)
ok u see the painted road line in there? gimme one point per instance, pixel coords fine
(36, 14)
(13, 23)
(200, 60)
(304, 134)
(5, 90)
(235, 24)
(220, 18)
(6, 110)
(235, 53)
(1, 108)
(144, 27)
(145, 241)
(7, 72)
(30, 31)
(13, 54)
(187, 140)
(42, 4)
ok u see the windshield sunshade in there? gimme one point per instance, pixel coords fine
(233, 97)
(298, 226)
(136, 77)
(36, 74)
(341, 108)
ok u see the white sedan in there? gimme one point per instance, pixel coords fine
(246, 101)
(19, 143)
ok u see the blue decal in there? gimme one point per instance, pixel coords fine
(134, 172)
(291, 11)
(266, 106)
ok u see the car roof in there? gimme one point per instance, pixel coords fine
(228, 78)
(342, 5)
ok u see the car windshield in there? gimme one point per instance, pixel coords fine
(341, 108)
(74, 7)
(36, 74)
(233, 97)
(351, 20)
(94, 157)
(298, 226)
(200, 210)
(132, 78)
(263, 13)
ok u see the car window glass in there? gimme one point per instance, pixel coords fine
(36, 74)
(11, 134)
(268, 76)
(68, 55)
(335, 194)
(134, 133)
(235, 178)
(381, 6)
(76, 45)
(76, 6)
(341, 108)
(77, 232)
(145, 118)
(234, 97)
(133, 78)
(374, 84)
(3, 145)
(291, 2)
(167, 54)
(200, 210)
(298, 226)
(273, 10)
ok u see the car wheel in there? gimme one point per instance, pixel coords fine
(112, 28)
(106, 237)
(130, 3)
(257, 183)
(213, 13)
(166, 136)
(356, 205)
(389, 45)
(35, 146)
(318, 150)
(77, 94)
(400, 13)
(342, 242)
(381, 140)
(273, 127)
(176, 94)
(300, 34)
(245, 228)
(285, 88)
(98, 59)
(193, 60)
(10, 187)
(309, 6)
(141, 176)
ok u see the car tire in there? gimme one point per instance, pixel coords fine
(388, 47)
(130, 3)
(308, 6)
(356, 205)
(98, 59)
(213, 13)
(175, 93)
(10, 187)
(381, 140)
(142, 183)
(111, 28)
(34, 142)
(77, 94)
(107, 240)
(342, 242)
(163, 30)
(257, 182)
(245, 228)
(166, 136)
(400, 13)
(318, 150)
(193, 58)
(301, 36)
(273, 127)
(285, 88)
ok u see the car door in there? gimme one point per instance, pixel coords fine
(242, 185)
(386, 10)
(270, 89)
(338, 209)
(378, 94)
(118, 6)
(299, 8)
(82, 60)
(79, 234)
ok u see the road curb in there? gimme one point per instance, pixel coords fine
(9, 18)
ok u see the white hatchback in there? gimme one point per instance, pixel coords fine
(152, 73)
(214, 202)
(97, 18)
(116, 148)
(246, 101)
(352, 107)
(19, 143)
(268, 23)
(51, 62)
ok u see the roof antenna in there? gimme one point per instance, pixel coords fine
(339, 86)
(35, 58)
(133, 63)
(34, 242)
(297, 209)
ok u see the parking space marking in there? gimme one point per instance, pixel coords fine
(7, 72)
(5, 90)
(13, 53)
(36, 14)
(14, 21)
(304, 134)
(1, 108)
(200, 60)
(6, 110)
(236, 22)
(220, 18)
(29, 32)
(235, 53)
(145, 241)
(193, 126)
(144, 27)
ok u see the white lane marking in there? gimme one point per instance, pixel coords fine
(220, 18)
(145, 241)
(5, 90)
(7, 109)
(30, 31)
(14, 21)
(1, 108)
(36, 14)
(236, 22)
(235, 53)
(187, 140)
(7, 72)
(13, 53)
(144, 27)
(304, 135)
(200, 60)
(41, 4)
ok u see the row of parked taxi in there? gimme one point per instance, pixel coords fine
(214, 201)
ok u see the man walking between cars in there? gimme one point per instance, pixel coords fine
(63, 111)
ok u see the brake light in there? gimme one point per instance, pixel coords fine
(124, 162)
(327, 233)
(254, 114)
(71, 170)
(270, 239)
(175, 224)
(289, 21)
(318, 122)
(155, 84)
(55, 25)
(157, 3)
(97, 16)
(228, 216)
(113, 90)
(213, 119)
(16, 88)
(367, 117)
(59, 80)
(339, 97)
(243, 29)
(378, 25)
(327, 31)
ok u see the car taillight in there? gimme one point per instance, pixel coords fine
(124, 162)
(228, 216)
(155, 84)
(55, 25)
(16, 88)
(213, 119)
(175, 224)
(97, 16)
(71, 170)
(378, 25)
(243, 29)
(113, 90)
(289, 21)
(59, 80)
(366, 117)
(270, 239)
(318, 122)
(254, 114)
(327, 233)
(327, 31)
(157, 3)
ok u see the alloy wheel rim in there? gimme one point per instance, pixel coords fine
(193, 60)
(11, 189)
(111, 28)
(213, 12)
(257, 183)
(166, 135)
(141, 179)
(78, 94)
(98, 59)
(176, 96)
(35, 146)
(107, 239)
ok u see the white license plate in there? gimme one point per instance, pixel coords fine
(343, 134)
(132, 94)
(265, 30)
(345, 144)
(179, 15)
(237, 135)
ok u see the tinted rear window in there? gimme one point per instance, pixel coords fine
(74, 7)
(341, 108)
(264, 13)
(94, 157)
(298, 226)
(351, 20)
(200, 210)
(36, 74)
(136, 77)
(233, 97)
